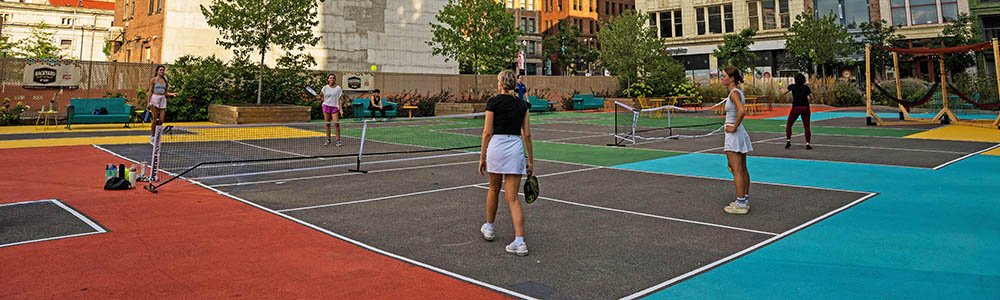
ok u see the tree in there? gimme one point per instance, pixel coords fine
(735, 50)
(879, 34)
(564, 47)
(963, 31)
(38, 45)
(631, 51)
(253, 26)
(479, 34)
(6, 47)
(817, 40)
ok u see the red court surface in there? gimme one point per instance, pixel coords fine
(186, 244)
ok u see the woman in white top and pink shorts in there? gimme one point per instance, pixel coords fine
(330, 95)
(158, 100)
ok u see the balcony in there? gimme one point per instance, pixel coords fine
(991, 33)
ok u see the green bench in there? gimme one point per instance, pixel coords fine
(587, 101)
(361, 110)
(539, 105)
(82, 111)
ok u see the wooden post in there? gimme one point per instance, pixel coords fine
(904, 115)
(873, 118)
(996, 65)
(945, 111)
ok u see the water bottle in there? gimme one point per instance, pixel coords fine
(108, 172)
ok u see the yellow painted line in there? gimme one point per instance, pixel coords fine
(61, 128)
(960, 133)
(103, 140)
(199, 135)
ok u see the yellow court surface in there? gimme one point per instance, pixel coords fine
(89, 127)
(963, 133)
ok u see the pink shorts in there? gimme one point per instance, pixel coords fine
(158, 101)
(330, 109)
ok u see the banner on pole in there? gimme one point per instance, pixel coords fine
(52, 73)
(358, 81)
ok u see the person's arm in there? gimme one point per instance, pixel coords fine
(526, 136)
(740, 111)
(152, 83)
(487, 136)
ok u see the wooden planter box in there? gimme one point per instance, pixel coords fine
(250, 113)
(444, 109)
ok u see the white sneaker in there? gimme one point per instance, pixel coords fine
(487, 232)
(327, 143)
(736, 209)
(521, 249)
(152, 140)
(339, 144)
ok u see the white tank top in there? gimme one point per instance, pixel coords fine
(331, 95)
(731, 108)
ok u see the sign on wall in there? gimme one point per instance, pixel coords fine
(52, 73)
(357, 81)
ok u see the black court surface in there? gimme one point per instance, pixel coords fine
(42, 220)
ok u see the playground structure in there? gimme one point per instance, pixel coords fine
(945, 115)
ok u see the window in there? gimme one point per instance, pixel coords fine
(128, 55)
(783, 13)
(949, 10)
(131, 13)
(560, 5)
(531, 4)
(665, 24)
(612, 9)
(701, 20)
(531, 47)
(591, 6)
(531, 25)
(510, 3)
(607, 7)
(715, 19)
(652, 20)
(125, 12)
(67, 21)
(524, 24)
(620, 10)
(66, 43)
(159, 5)
(678, 29)
(898, 8)
(151, 3)
(769, 14)
(149, 54)
(923, 12)
(753, 16)
(524, 3)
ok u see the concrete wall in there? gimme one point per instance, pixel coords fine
(355, 34)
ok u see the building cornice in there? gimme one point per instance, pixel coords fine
(50, 8)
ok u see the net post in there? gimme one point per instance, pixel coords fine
(361, 149)
(618, 140)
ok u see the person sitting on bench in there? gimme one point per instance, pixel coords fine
(376, 104)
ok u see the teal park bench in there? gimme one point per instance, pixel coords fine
(82, 111)
(539, 105)
(587, 101)
(360, 106)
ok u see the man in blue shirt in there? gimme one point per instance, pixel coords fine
(521, 88)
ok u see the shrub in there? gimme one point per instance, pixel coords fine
(198, 82)
(686, 89)
(11, 115)
(713, 92)
(847, 94)
(638, 89)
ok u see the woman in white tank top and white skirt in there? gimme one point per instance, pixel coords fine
(737, 143)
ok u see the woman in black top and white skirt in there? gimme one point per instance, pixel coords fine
(506, 137)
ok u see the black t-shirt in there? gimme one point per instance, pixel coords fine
(508, 113)
(800, 94)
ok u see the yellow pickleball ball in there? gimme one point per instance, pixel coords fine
(374, 68)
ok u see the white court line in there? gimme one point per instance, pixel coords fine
(647, 215)
(349, 240)
(329, 166)
(416, 193)
(269, 149)
(760, 141)
(577, 137)
(744, 251)
(877, 148)
(342, 174)
(964, 157)
(97, 228)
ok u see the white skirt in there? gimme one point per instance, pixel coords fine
(505, 155)
(738, 141)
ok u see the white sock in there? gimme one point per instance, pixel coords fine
(741, 201)
(489, 226)
(519, 240)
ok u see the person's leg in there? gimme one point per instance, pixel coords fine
(326, 118)
(153, 113)
(511, 184)
(372, 109)
(805, 123)
(746, 174)
(335, 116)
(736, 167)
(793, 114)
(493, 197)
